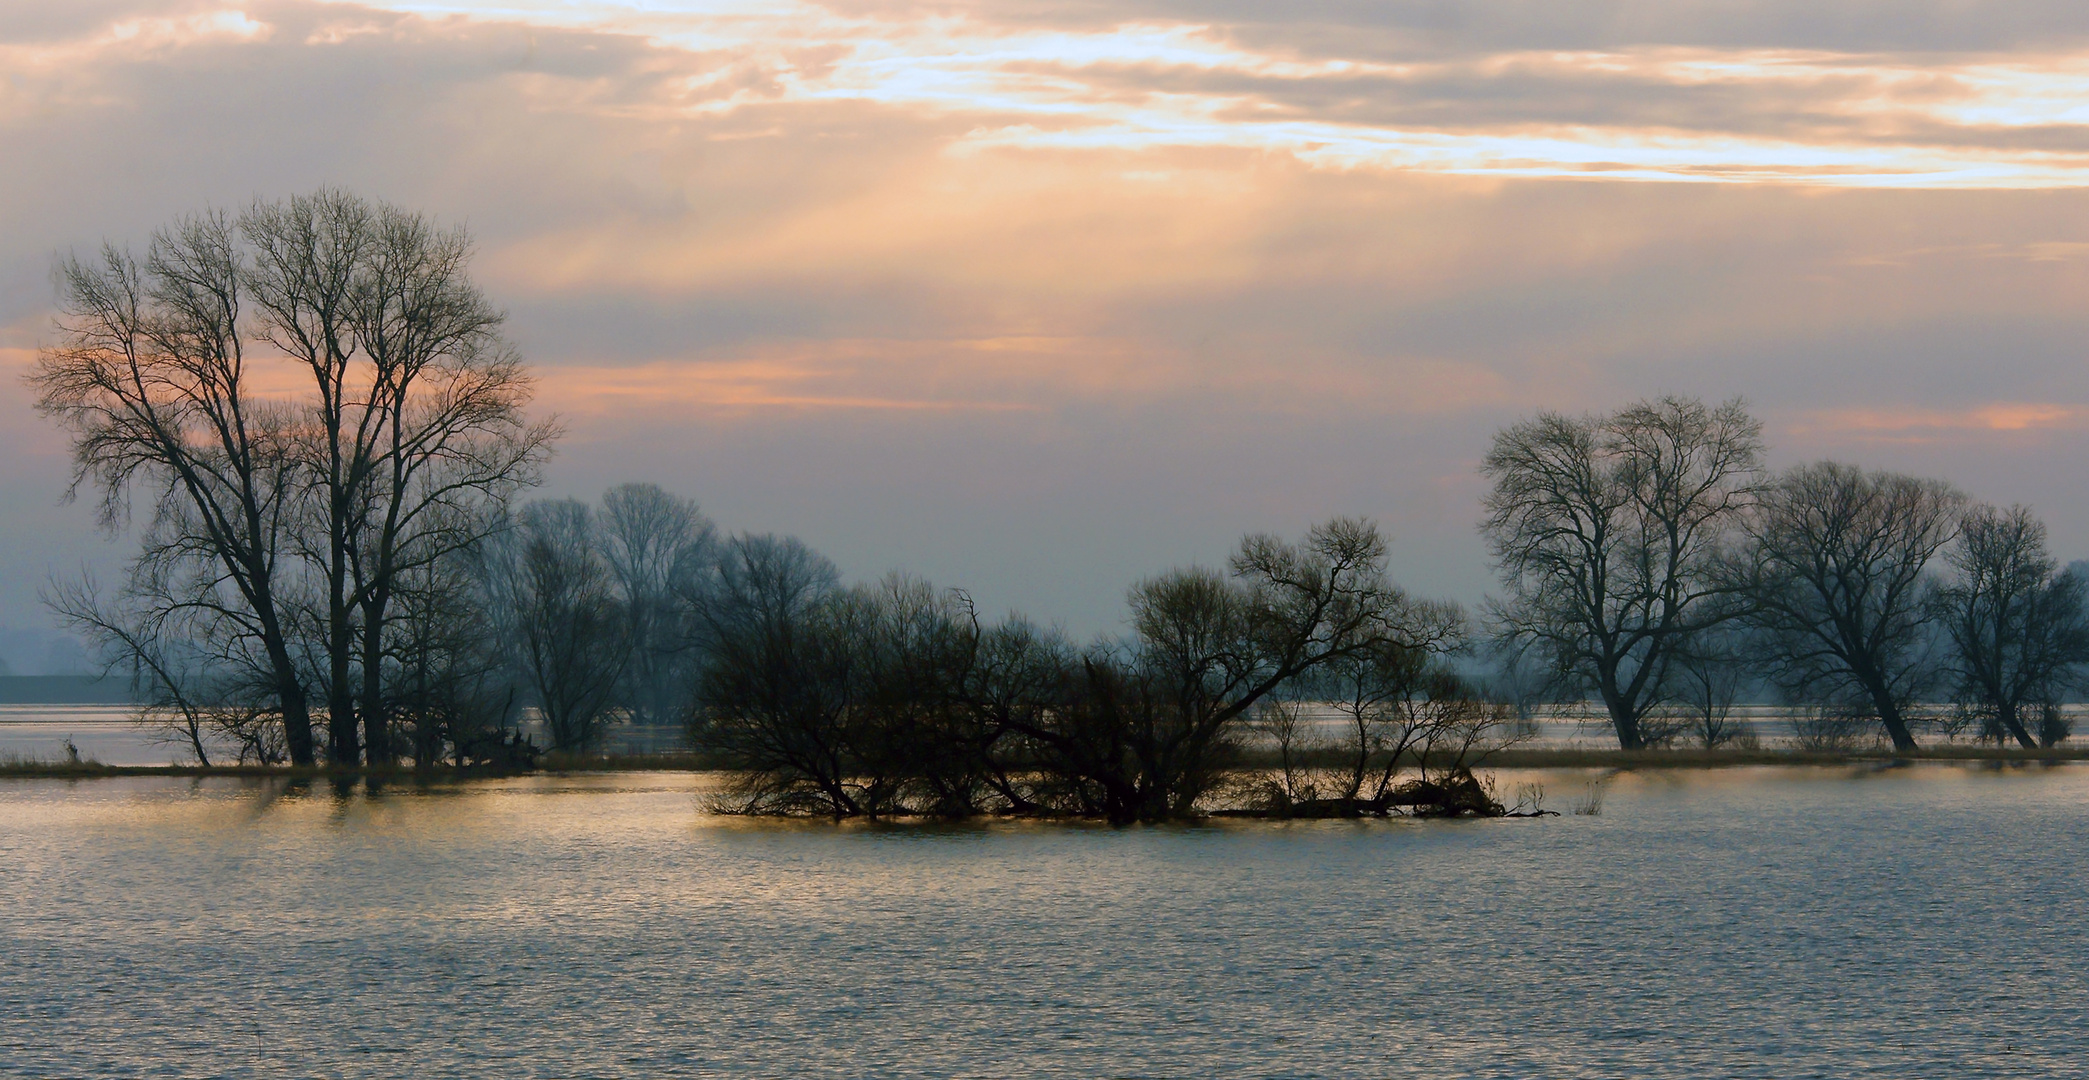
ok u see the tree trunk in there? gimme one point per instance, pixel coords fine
(297, 725)
(2013, 722)
(1889, 715)
(1624, 719)
(342, 749)
(377, 735)
(290, 698)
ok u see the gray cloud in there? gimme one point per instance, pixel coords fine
(1407, 29)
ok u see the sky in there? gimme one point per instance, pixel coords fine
(1041, 297)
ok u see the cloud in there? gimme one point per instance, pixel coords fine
(1655, 97)
(1922, 425)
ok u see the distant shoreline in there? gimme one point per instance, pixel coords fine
(1620, 760)
(67, 690)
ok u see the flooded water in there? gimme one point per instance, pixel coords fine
(1919, 921)
(109, 734)
(113, 735)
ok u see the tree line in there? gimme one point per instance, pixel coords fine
(1649, 559)
(314, 414)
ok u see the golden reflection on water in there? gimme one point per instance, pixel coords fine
(1827, 921)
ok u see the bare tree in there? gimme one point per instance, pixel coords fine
(1837, 583)
(1410, 728)
(454, 689)
(775, 694)
(307, 252)
(1152, 727)
(140, 636)
(919, 743)
(1286, 725)
(1608, 533)
(153, 378)
(1508, 673)
(456, 440)
(1379, 695)
(2018, 625)
(652, 540)
(1710, 673)
(872, 700)
(566, 619)
(417, 416)
(1021, 679)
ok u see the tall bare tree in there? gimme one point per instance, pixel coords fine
(153, 378)
(652, 540)
(2019, 627)
(306, 253)
(1608, 532)
(565, 617)
(417, 417)
(1837, 583)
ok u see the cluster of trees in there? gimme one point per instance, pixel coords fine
(317, 410)
(896, 698)
(1650, 560)
(593, 609)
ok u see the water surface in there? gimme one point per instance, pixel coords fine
(1761, 922)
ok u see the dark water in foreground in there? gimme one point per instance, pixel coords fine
(1928, 921)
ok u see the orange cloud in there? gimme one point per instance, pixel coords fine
(730, 387)
(1008, 375)
(1930, 425)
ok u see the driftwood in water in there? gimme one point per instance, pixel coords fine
(498, 750)
(1458, 795)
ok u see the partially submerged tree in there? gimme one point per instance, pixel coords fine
(153, 378)
(1151, 727)
(894, 699)
(1409, 731)
(452, 689)
(1838, 590)
(2019, 626)
(416, 418)
(774, 697)
(916, 730)
(1609, 531)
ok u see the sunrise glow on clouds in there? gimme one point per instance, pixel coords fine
(1879, 120)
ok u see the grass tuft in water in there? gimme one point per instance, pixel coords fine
(1591, 802)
